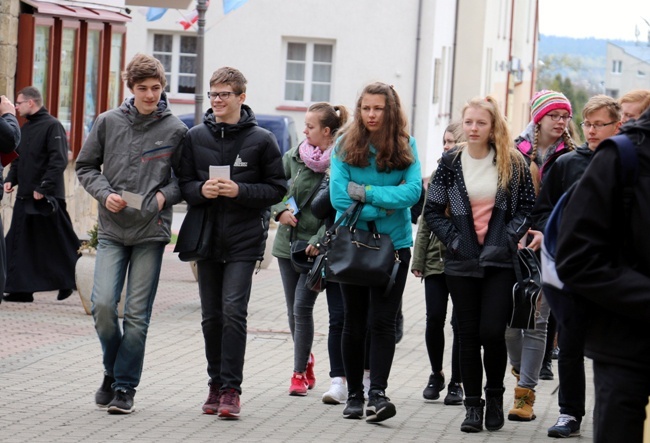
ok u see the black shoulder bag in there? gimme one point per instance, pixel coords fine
(300, 261)
(195, 236)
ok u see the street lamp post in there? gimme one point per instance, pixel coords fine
(200, 39)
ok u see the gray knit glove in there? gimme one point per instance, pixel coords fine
(357, 192)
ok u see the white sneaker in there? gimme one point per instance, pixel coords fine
(366, 383)
(338, 392)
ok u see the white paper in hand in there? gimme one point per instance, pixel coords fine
(220, 172)
(133, 200)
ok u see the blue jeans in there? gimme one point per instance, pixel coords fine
(526, 348)
(300, 312)
(225, 289)
(124, 348)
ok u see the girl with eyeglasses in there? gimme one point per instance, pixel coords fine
(544, 140)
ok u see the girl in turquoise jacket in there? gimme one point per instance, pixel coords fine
(375, 161)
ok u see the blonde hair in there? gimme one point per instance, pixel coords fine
(500, 138)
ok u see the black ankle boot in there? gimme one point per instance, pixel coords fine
(474, 415)
(494, 408)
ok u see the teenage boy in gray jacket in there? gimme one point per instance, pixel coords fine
(126, 164)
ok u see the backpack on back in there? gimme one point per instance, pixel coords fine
(569, 308)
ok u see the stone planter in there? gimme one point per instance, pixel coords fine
(84, 276)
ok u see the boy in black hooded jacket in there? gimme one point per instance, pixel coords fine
(604, 255)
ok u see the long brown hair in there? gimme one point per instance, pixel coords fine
(391, 140)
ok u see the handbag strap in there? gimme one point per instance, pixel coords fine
(309, 197)
(347, 214)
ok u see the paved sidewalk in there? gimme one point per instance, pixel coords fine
(50, 367)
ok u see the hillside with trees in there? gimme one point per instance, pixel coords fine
(574, 66)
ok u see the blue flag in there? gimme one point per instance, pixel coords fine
(154, 14)
(231, 5)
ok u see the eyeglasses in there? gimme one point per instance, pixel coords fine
(225, 95)
(557, 117)
(596, 126)
(20, 103)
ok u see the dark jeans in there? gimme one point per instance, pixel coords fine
(436, 296)
(621, 399)
(225, 290)
(366, 308)
(336, 317)
(571, 369)
(482, 307)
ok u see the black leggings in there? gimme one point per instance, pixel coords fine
(483, 307)
(367, 309)
(436, 296)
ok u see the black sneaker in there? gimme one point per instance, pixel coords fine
(20, 297)
(354, 406)
(454, 394)
(63, 294)
(122, 403)
(379, 407)
(566, 426)
(104, 394)
(555, 353)
(435, 385)
(546, 372)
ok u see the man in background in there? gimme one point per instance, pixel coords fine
(41, 242)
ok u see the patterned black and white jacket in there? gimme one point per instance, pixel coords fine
(509, 221)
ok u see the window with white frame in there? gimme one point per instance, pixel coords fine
(177, 53)
(617, 66)
(308, 75)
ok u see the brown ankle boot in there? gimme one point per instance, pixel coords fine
(523, 407)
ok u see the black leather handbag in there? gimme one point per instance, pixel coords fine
(358, 257)
(527, 290)
(316, 276)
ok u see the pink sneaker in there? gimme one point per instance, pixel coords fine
(229, 406)
(309, 373)
(212, 403)
(299, 384)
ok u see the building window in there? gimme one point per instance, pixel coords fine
(436, 81)
(177, 53)
(67, 73)
(617, 66)
(41, 59)
(640, 73)
(308, 76)
(115, 71)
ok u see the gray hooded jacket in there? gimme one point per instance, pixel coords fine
(128, 151)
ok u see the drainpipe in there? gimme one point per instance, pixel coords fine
(509, 89)
(417, 64)
(453, 63)
(533, 73)
(200, 44)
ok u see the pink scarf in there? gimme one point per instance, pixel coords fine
(315, 159)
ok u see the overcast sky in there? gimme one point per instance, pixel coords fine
(589, 18)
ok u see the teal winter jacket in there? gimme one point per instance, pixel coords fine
(389, 194)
